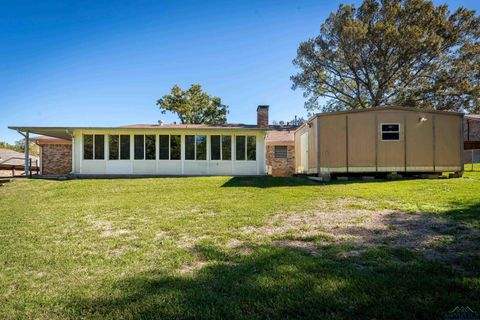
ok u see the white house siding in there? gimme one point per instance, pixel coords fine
(170, 167)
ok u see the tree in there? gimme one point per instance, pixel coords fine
(392, 52)
(194, 105)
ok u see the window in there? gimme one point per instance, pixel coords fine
(251, 148)
(390, 132)
(164, 141)
(93, 147)
(189, 147)
(99, 146)
(169, 147)
(88, 146)
(281, 152)
(119, 147)
(245, 147)
(240, 147)
(144, 147)
(125, 147)
(195, 147)
(201, 147)
(221, 147)
(139, 147)
(215, 147)
(150, 147)
(175, 147)
(226, 147)
(113, 147)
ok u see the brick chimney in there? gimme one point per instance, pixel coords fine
(262, 116)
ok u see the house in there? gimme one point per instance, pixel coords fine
(393, 139)
(13, 162)
(160, 149)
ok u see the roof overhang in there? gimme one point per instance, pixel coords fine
(66, 133)
(57, 132)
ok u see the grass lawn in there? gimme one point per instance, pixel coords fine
(239, 248)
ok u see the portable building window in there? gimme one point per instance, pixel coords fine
(195, 147)
(93, 147)
(390, 131)
(221, 147)
(119, 147)
(245, 147)
(281, 152)
(144, 147)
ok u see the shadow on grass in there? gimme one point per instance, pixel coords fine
(269, 182)
(287, 283)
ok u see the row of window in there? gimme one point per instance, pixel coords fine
(169, 147)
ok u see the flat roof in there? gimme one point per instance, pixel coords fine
(66, 132)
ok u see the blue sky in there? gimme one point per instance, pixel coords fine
(105, 63)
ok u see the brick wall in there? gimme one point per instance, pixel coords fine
(471, 129)
(281, 167)
(56, 159)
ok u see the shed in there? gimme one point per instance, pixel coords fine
(384, 139)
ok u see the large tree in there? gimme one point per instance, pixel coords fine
(194, 105)
(392, 52)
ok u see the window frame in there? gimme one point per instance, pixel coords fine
(93, 145)
(119, 136)
(221, 136)
(246, 147)
(207, 157)
(389, 124)
(145, 147)
(275, 152)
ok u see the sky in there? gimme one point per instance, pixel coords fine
(106, 63)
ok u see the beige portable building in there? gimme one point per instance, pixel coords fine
(385, 139)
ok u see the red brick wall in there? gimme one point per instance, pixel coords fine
(56, 159)
(471, 129)
(281, 167)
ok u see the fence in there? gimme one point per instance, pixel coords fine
(471, 160)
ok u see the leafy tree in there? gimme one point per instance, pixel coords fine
(194, 105)
(392, 52)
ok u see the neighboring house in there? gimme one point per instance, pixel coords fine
(163, 149)
(387, 139)
(12, 160)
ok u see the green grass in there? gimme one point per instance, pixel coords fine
(180, 248)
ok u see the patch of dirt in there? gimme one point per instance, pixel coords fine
(107, 229)
(192, 267)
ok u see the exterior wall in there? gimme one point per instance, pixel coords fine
(55, 159)
(280, 167)
(351, 142)
(170, 167)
